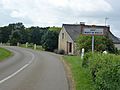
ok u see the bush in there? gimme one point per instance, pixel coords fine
(56, 51)
(104, 69)
(118, 52)
(61, 51)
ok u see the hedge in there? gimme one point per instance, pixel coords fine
(104, 69)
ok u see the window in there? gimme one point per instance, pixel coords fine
(62, 35)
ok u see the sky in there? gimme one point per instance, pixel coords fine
(57, 12)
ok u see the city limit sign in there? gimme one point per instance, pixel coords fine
(93, 31)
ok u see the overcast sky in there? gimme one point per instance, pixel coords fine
(56, 12)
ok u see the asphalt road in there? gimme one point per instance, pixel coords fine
(32, 70)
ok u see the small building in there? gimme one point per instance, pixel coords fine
(70, 32)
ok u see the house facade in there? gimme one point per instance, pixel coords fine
(70, 32)
(66, 43)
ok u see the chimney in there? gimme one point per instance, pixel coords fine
(82, 23)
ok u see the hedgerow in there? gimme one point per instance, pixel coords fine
(104, 69)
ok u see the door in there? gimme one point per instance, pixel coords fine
(69, 47)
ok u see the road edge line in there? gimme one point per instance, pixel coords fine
(18, 71)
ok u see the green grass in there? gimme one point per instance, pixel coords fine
(4, 54)
(82, 78)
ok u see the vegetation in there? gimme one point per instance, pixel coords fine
(4, 54)
(16, 32)
(102, 43)
(104, 69)
(50, 40)
(96, 71)
(82, 77)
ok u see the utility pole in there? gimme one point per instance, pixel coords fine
(106, 20)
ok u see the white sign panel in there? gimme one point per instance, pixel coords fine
(91, 31)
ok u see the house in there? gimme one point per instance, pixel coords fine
(70, 32)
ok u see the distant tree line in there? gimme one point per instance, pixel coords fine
(47, 37)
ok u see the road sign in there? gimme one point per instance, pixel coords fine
(93, 31)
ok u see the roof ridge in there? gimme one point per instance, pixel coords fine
(72, 24)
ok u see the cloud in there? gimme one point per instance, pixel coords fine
(49, 12)
(56, 12)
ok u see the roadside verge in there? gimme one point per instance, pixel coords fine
(4, 53)
(70, 79)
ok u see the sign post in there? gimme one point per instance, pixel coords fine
(93, 32)
(92, 43)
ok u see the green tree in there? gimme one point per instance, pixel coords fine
(50, 40)
(17, 29)
(101, 43)
(55, 28)
(35, 34)
(15, 37)
(4, 34)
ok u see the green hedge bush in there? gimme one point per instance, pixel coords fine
(105, 70)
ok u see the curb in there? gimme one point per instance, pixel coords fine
(71, 82)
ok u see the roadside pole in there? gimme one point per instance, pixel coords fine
(18, 44)
(93, 39)
(34, 46)
(26, 44)
(82, 53)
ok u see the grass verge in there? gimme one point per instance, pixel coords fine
(4, 54)
(81, 76)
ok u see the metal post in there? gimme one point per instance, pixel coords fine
(92, 43)
(106, 21)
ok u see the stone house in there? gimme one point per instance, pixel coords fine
(70, 32)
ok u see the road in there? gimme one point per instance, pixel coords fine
(32, 70)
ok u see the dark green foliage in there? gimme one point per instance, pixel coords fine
(50, 40)
(15, 37)
(4, 34)
(105, 70)
(118, 52)
(16, 32)
(36, 34)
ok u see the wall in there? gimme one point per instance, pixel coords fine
(117, 46)
(62, 44)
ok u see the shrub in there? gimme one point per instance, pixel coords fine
(104, 69)
(61, 51)
(56, 51)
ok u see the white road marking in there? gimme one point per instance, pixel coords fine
(15, 73)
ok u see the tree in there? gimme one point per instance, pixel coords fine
(15, 37)
(50, 40)
(101, 43)
(36, 34)
(17, 33)
(4, 34)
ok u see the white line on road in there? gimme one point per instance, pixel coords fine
(12, 75)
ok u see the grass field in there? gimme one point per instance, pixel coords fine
(81, 75)
(4, 54)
